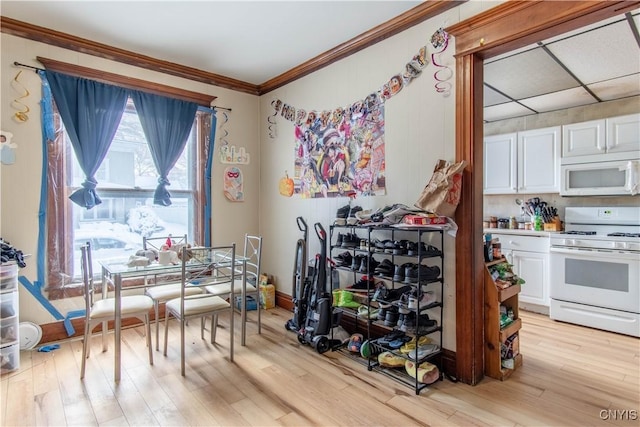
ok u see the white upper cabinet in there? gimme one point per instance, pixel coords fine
(623, 133)
(539, 160)
(581, 139)
(500, 162)
(617, 137)
(523, 162)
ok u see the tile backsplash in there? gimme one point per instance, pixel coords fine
(504, 205)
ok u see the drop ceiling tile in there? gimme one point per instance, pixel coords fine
(617, 88)
(527, 74)
(559, 100)
(505, 111)
(491, 97)
(594, 56)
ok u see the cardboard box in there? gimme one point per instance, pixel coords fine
(267, 296)
(424, 220)
(251, 303)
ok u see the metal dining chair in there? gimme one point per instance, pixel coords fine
(156, 243)
(161, 293)
(202, 267)
(102, 310)
(252, 253)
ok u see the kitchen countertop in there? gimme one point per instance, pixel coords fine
(518, 232)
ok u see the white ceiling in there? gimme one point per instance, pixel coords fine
(251, 41)
(255, 41)
(597, 63)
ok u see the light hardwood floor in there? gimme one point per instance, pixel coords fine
(570, 375)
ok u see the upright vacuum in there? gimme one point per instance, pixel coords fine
(301, 280)
(320, 317)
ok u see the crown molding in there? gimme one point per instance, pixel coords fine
(414, 16)
(78, 44)
(392, 27)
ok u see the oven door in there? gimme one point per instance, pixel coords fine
(599, 278)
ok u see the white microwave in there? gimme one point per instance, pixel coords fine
(607, 178)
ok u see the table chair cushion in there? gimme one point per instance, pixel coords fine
(225, 288)
(197, 305)
(129, 304)
(170, 291)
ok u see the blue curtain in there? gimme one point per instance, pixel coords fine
(166, 123)
(91, 112)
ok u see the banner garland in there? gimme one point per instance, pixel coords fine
(340, 152)
(440, 40)
(413, 69)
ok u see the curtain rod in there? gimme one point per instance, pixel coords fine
(36, 69)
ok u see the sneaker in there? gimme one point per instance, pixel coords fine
(381, 293)
(351, 219)
(415, 248)
(357, 262)
(341, 215)
(364, 283)
(423, 351)
(385, 268)
(420, 271)
(391, 318)
(368, 264)
(344, 259)
(381, 245)
(339, 239)
(398, 274)
(350, 241)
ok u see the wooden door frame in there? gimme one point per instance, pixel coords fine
(506, 27)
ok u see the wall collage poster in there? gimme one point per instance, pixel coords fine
(341, 152)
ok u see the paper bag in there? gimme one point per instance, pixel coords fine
(442, 193)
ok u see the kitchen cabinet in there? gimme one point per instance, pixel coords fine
(529, 256)
(523, 162)
(619, 134)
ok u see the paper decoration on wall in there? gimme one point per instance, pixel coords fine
(341, 152)
(273, 129)
(231, 155)
(440, 42)
(286, 186)
(21, 115)
(233, 184)
(7, 148)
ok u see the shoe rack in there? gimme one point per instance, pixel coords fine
(413, 291)
(9, 324)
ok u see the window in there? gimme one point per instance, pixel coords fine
(126, 183)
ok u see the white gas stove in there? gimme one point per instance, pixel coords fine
(595, 269)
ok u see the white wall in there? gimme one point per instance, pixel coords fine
(419, 130)
(20, 182)
(420, 126)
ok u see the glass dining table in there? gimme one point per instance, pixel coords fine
(116, 272)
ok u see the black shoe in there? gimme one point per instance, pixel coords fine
(385, 268)
(364, 283)
(342, 213)
(380, 245)
(356, 262)
(391, 317)
(344, 259)
(350, 241)
(340, 239)
(420, 271)
(367, 264)
(398, 274)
